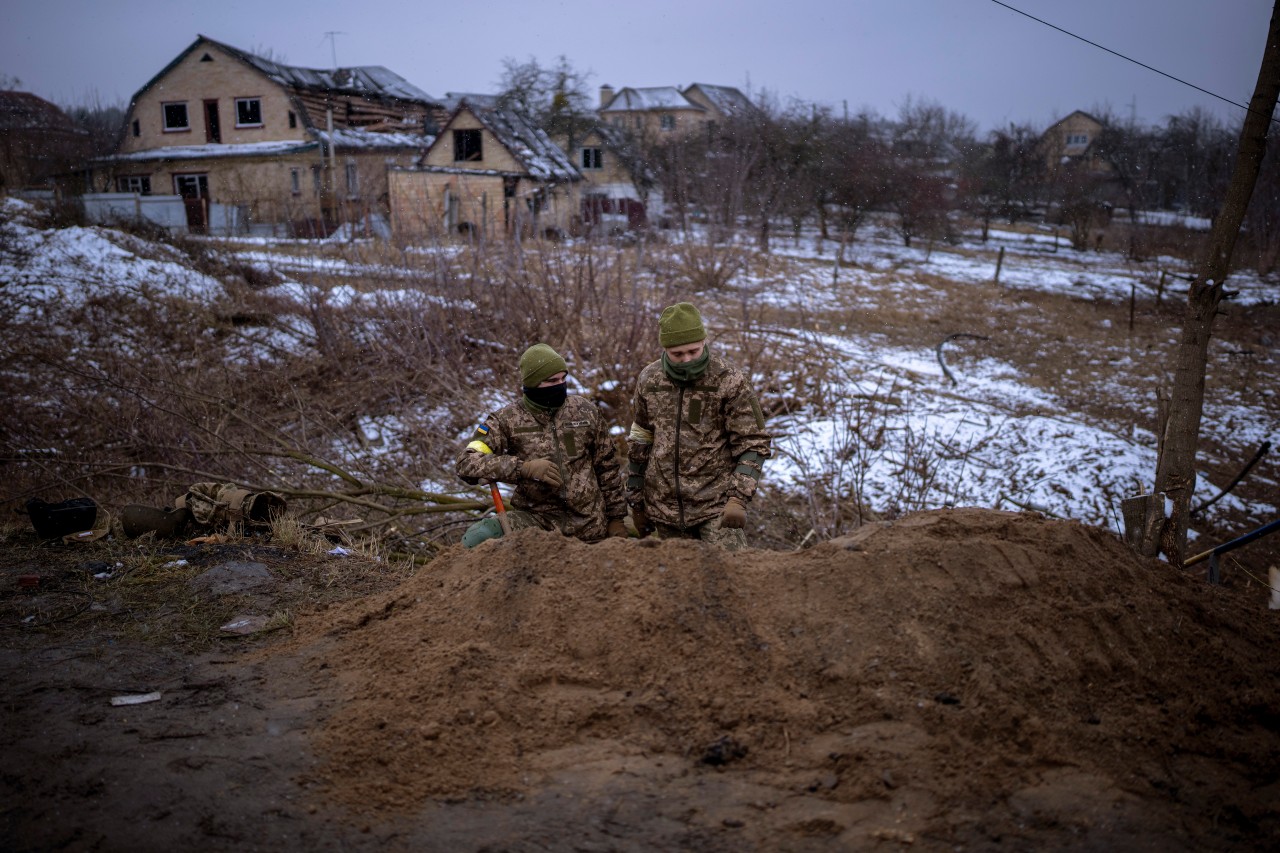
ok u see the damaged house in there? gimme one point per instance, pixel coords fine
(490, 173)
(242, 144)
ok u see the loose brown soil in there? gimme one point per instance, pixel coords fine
(958, 679)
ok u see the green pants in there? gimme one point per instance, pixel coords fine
(711, 532)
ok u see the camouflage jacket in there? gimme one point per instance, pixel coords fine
(693, 447)
(577, 439)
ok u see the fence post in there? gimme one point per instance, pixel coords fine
(1133, 297)
(999, 265)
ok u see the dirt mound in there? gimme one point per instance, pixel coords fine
(970, 657)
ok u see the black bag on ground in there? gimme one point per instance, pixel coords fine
(53, 521)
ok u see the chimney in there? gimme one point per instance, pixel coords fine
(606, 95)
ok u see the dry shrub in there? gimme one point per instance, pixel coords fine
(352, 406)
(709, 266)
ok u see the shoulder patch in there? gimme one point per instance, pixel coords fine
(482, 429)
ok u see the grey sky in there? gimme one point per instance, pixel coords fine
(972, 56)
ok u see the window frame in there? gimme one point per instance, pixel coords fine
(591, 158)
(461, 149)
(351, 172)
(667, 122)
(249, 100)
(295, 180)
(164, 116)
(140, 184)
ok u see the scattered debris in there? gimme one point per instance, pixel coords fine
(723, 751)
(244, 625)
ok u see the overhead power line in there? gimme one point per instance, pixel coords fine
(1122, 56)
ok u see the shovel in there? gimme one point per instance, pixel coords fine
(499, 508)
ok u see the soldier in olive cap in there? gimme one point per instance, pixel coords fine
(698, 443)
(556, 449)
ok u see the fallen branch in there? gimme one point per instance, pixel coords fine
(1262, 451)
(938, 349)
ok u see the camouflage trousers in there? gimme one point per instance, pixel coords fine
(711, 532)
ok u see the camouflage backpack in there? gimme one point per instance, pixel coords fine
(224, 505)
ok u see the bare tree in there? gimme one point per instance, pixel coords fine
(1131, 153)
(1078, 196)
(1180, 431)
(1264, 212)
(1005, 177)
(103, 122)
(555, 98)
(1194, 162)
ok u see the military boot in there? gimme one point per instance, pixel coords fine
(137, 519)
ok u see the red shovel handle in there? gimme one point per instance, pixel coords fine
(499, 508)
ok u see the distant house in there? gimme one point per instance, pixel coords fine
(659, 112)
(282, 146)
(489, 173)
(40, 147)
(1071, 140)
(619, 191)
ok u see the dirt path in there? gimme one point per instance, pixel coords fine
(960, 679)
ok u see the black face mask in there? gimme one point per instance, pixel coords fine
(550, 397)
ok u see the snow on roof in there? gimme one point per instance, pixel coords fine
(350, 137)
(196, 152)
(530, 145)
(650, 98)
(371, 80)
(727, 99)
(452, 100)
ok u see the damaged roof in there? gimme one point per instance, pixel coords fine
(372, 81)
(528, 144)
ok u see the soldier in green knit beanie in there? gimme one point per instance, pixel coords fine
(698, 442)
(556, 449)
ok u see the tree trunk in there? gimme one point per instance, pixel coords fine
(1175, 468)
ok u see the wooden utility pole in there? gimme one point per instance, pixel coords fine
(1180, 430)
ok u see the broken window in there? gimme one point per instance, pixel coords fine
(140, 184)
(353, 178)
(248, 112)
(592, 158)
(466, 146)
(137, 127)
(175, 116)
(293, 119)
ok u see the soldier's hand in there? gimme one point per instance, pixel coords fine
(616, 527)
(640, 520)
(734, 515)
(542, 470)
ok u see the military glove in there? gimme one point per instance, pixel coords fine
(640, 520)
(734, 515)
(616, 527)
(542, 470)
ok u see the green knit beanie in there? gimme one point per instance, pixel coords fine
(680, 324)
(539, 362)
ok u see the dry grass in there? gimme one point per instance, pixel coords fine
(349, 409)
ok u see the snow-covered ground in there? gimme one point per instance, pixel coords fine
(995, 441)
